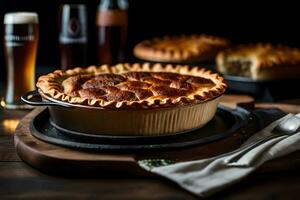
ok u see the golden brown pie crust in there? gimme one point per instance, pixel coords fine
(266, 61)
(181, 48)
(132, 85)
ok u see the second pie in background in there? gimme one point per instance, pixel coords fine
(181, 49)
(260, 62)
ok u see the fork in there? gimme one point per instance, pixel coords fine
(285, 128)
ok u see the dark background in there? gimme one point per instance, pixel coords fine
(244, 22)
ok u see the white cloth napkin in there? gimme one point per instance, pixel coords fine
(208, 176)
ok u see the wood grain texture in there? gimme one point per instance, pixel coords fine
(277, 179)
(49, 158)
(52, 158)
(231, 101)
(55, 159)
(19, 181)
(7, 149)
(9, 120)
(286, 107)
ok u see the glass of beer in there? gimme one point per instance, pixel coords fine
(20, 42)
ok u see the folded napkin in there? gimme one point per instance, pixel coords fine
(207, 176)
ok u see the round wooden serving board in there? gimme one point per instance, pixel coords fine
(65, 161)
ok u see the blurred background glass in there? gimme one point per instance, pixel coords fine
(112, 23)
(240, 22)
(73, 36)
(20, 48)
(254, 21)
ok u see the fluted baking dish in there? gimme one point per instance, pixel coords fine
(140, 118)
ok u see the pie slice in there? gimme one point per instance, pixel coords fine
(260, 61)
(180, 48)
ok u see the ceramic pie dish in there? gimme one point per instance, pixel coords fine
(181, 49)
(131, 99)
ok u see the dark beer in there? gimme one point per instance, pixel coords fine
(73, 55)
(112, 22)
(21, 40)
(73, 36)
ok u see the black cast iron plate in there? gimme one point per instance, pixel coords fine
(223, 124)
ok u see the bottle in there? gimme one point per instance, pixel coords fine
(112, 22)
(73, 36)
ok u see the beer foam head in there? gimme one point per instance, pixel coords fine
(21, 18)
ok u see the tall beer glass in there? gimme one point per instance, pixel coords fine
(20, 41)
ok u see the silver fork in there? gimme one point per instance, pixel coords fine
(288, 126)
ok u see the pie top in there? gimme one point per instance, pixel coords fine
(180, 48)
(261, 55)
(136, 85)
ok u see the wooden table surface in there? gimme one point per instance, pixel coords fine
(278, 179)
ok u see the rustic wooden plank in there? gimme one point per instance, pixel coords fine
(9, 120)
(47, 157)
(276, 179)
(18, 180)
(286, 107)
(280, 185)
(7, 149)
(231, 100)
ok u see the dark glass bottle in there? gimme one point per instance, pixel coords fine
(112, 22)
(73, 36)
